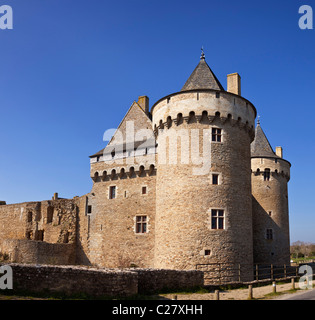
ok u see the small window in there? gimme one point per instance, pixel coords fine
(217, 219)
(270, 213)
(267, 175)
(112, 192)
(217, 94)
(144, 190)
(89, 209)
(113, 154)
(125, 194)
(216, 135)
(141, 224)
(215, 179)
(269, 234)
(207, 252)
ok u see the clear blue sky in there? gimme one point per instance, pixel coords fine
(71, 69)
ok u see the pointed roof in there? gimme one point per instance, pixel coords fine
(202, 77)
(261, 147)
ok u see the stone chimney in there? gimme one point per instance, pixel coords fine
(234, 83)
(279, 152)
(55, 197)
(143, 102)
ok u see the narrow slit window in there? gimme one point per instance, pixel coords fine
(112, 192)
(215, 179)
(144, 190)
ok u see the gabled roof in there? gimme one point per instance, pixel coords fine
(261, 147)
(141, 121)
(202, 78)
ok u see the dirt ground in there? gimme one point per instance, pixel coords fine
(264, 292)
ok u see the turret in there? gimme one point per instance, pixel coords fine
(203, 209)
(270, 176)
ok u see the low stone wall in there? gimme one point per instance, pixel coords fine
(100, 282)
(38, 252)
(74, 280)
(155, 280)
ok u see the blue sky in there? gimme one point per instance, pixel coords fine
(71, 69)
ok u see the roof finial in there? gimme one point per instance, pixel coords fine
(258, 120)
(202, 54)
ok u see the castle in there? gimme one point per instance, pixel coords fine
(189, 182)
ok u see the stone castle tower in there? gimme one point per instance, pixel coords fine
(205, 218)
(189, 182)
(270, 176)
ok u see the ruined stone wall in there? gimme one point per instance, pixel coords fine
(38, 252)
(155, 280)
(53, 221)
(271, 211)
(100, 282)
(74, 280)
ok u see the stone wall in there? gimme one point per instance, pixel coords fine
(38, 252)
(184, 234)
(271, 211)
(74, 280)
(53, 221)
(156, 280)
(108, 233)
(100, 282)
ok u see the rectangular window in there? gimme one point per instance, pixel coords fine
(144, 190)
(216, 135)
(267, 175)
(89, 210)
(217, 219)
(269, 234)
(112, 192)
(215, 179)
(141, 224)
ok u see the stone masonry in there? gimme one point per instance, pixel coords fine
(189, 182)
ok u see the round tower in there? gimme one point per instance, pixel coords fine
(203, 187)
(270, 176)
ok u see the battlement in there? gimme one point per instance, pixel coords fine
(204, 102)
(116, 173)
(276, 167)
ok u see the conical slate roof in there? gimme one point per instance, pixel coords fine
(202, 78)
(261, 147)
